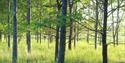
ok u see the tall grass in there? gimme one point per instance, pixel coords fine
(41, 53)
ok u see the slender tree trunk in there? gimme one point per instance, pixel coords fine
(37, 35)
(40, 36)
(117, 34)
(0, 35)
(57, 31)
(113, 32)
(96, 25)
(75, 34)
(14, 55)
(28, 31)
(61, 55)
(48, 39)
(71, 26)
(40, 14)
(8, 23)
(104, 44)
(100, 39)
(57, 42)
(87, 39)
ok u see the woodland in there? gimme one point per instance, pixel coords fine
(62, 31)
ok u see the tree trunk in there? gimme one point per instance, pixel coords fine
(57, 31)
(57, 42)
(117, 34)
(100, 39)
(28, 31)
(0, 35)
(14, 55)
(61, 55)
(113, 32)
(75, 34)
(40, 36)
(87, 39)
(96, 25)
(37, 36)
(8, 23)
(104, 44)
(71, 27)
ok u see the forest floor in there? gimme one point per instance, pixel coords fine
(44, 53)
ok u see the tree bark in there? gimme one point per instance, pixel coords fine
(87, 39)
(57, 42)
(71, 26)
(14, 55)
(113, 32)
(117, 31)
(8, 23)
(0, 35)
(75, 34)
(104, 44)
(57, 31)
(28, 31)
(61, 55)
(96, 24)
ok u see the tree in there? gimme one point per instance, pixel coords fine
(8, 23)
(96, 24)
(104, 33)
(87, 36)
(61, 55)
(14, 55)
(28, 31)
(117, 28)
(113, 32)
(0, 35)
(71, 24)
(57, 30)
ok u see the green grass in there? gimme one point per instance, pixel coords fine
(41, 53)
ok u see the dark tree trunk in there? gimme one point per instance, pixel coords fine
(44, 38)
(61, 55)
(71, 26)
(0, 35)
(28, 31)
(57, 42)
(87, 39)
(14, 56)
(8, 23)
(40, 36)
(37, 35)
(104, 44)
(96, 24)
(57, 31)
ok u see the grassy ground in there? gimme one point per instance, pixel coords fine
(41, 53)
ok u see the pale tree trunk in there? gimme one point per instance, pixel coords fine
(113, 31)
(117, 29)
